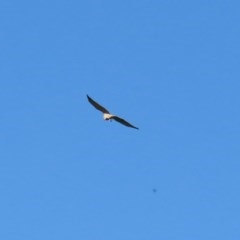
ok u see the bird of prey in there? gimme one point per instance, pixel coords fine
(107, 115)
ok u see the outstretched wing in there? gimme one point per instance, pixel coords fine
(97, 106)
(122, 121)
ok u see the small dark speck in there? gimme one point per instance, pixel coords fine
(154, 190)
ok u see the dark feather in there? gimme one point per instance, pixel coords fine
(122, 121)
(97, 106)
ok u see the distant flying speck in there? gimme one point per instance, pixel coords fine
(154, 190)
(107, 115)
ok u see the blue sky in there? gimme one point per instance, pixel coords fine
(169, 67)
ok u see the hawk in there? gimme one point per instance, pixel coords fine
(107, 115)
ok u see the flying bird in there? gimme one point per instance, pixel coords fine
(107, 115)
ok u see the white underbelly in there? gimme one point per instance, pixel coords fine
(107, 116)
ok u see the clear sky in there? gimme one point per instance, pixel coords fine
(172, 68)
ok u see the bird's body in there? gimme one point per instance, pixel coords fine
(107, 115)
